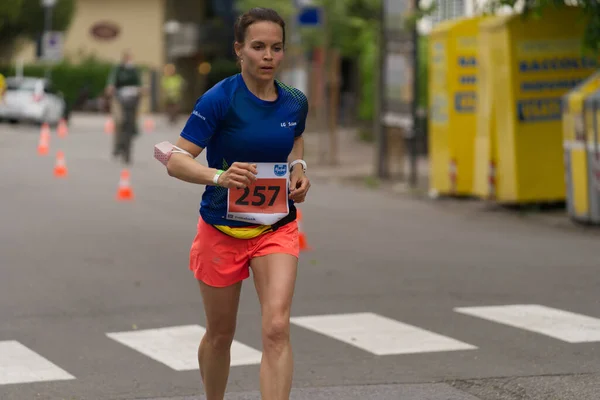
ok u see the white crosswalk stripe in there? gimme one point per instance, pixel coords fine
(177, 346)
(19, 364)
(379, 335)
(559, 324)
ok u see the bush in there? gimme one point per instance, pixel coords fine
(69, 78)
(368, 62)
(221, 68)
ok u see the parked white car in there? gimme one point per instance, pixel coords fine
(32, 99)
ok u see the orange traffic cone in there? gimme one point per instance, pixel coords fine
(302, 236)
(62, 129)
(125, 192)
(60, 168)
(109, 126)
(149, 124)
(45, 128)
(44, 142)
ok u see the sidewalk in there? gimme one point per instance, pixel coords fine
(357, 162)
(357, 166)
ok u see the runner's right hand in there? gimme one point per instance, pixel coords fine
(239, 175)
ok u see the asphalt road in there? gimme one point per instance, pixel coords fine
(397, 299)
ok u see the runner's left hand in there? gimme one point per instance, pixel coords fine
(299, 185)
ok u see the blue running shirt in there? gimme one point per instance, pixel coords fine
(234, 125)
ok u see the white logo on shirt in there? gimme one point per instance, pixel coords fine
(197, 114)
(288, 124)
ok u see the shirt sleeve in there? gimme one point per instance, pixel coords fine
(138, 77)
(112, 76)
(209, 111)
(303, 113)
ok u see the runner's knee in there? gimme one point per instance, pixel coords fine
(276, 331)
(220, 339)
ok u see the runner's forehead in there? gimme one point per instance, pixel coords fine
(265, 32)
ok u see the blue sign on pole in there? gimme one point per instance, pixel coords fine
(309, 16)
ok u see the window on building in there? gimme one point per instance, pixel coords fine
(448, 9)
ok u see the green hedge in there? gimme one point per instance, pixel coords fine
(221, 68)
(69, 78)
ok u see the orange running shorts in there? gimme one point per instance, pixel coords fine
(220, 260)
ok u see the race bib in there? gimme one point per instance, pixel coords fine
(264, 202)
(128, 91)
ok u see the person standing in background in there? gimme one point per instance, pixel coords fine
(172, 85)
(125, 86)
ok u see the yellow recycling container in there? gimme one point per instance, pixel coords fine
(452, 99)
(592, 109)
(581, 150)
(484, 165)
(536, 61)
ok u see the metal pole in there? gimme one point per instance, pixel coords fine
(596, 139)
(380, 100)
(48, 8)
(415, 104)
(594, 154)
(48, 20)
(20, 68)
(323, 111)
(297, 64)
(334, 87)
(295, 37)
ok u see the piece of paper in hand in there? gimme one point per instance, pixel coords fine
(162, 152)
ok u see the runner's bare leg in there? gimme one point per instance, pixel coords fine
(274, 279)
(221, 306)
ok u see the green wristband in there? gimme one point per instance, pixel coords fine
(216, 177)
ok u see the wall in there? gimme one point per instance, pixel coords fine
(141, 30)
(141, 24)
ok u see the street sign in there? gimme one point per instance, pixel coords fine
(399, 69)
(303, 3)
(52, 46)
(309, 16)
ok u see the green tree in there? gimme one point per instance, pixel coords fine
(351, 27)
(285, 8)
(9, 11)
(535, 9)
(347, 20)
(28, 20)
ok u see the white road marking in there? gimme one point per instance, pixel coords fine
(19, 364)
(177, 347)
(379, 335)
(558, 324)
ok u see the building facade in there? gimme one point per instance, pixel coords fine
(452, 9)
(183, 32)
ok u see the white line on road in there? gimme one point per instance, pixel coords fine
(379, 335)
(558, 324)
(19, 364)
(177, 347)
